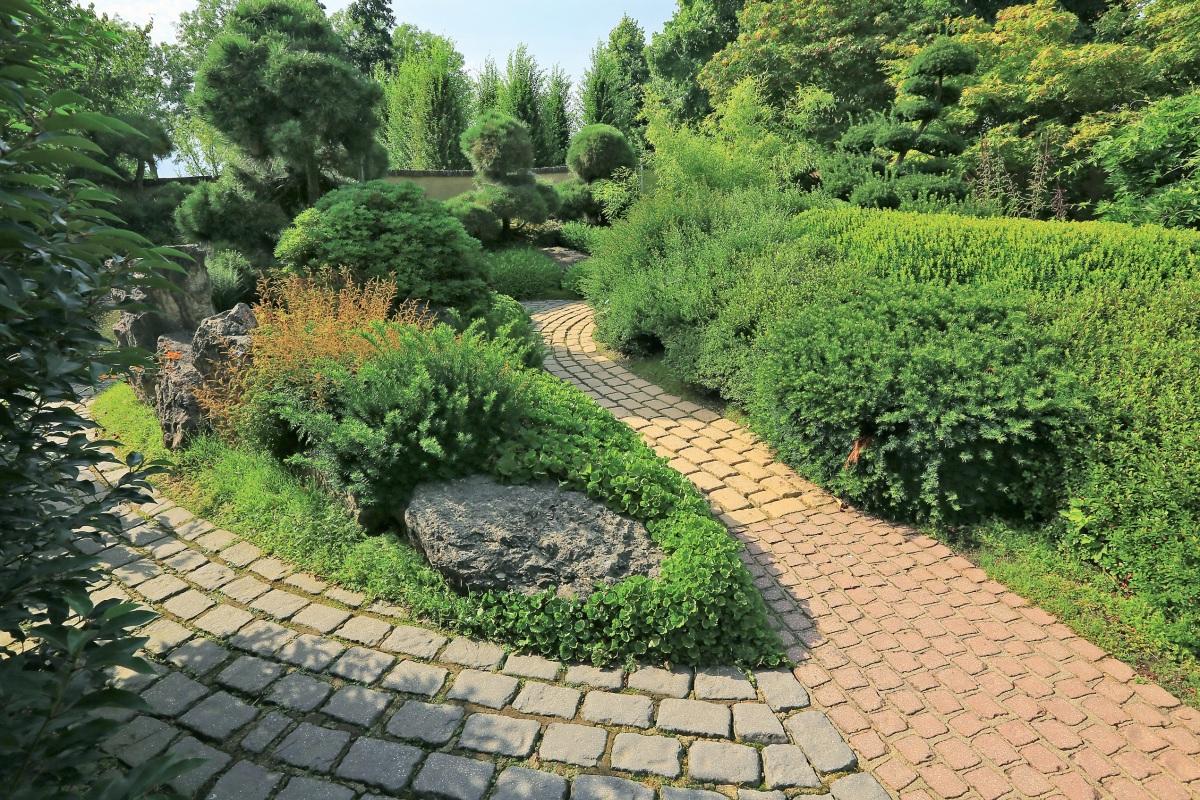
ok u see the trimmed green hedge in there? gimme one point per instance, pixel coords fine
(702, 608)
(701, 275)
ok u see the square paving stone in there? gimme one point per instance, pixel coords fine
(413, 642)
(827, 751)
(453, 777)
(249, 674)
(610, 708)
(212, 576)
(216, 540)
(212, 761)
(656, 680)
(198, 656)
(357, 705)
(675, 793)
(313, 789)
(262, 637)
(173, 694)
(165, 548)
(723, 683)
(425, 722)
(518, 783)
(756, 722)
(786, 767)
(657, 755)
(245, 589)
(595, 677)
(492, 733)
(313, 653)
(125, 678)
(695, 717)
(136, 572)
(279, 604)
(722, 763)
(379, 763)
(218, 716)
(362, 665)
(139, 740)
(266, 731)
(306, 583)
(224, 620)
(483, 688)
(781, 690)
(299, 692)
(270, 568)
(321, 617)
(755, 794)
(185, 561)
(346, 597)
(118, 555)
(312, 747)
(164, 635)
(606, 787)
(581, 745)
(532, 667)
(857, 787)
(544, 700)
(470, 653)
(364, 630)
(189, 604)
(414, 677)
(241, 554)
(245, 780)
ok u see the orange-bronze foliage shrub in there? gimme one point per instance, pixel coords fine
(304, 322)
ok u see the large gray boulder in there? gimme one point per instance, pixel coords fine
(222, 338)
(175, 402)
(483, 535)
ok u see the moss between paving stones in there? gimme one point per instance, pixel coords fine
(702, 609)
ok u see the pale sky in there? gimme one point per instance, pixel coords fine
(557, 31)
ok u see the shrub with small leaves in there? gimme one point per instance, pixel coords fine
(928, 402)
(478, 220)
(523, 272)
(231, 277)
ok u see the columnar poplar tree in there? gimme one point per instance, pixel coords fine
(276, 84)
(522, 90)
(369, 35)
(557, 120)
(615, 84)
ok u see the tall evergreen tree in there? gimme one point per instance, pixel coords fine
(521, 95)
(627, 48)
(427, 102)
(556, 116)
(368, 34)
(487, 87)
(600, 94)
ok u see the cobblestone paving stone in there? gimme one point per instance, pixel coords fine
(934, 681)
(944, 683)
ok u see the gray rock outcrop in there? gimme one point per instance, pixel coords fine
(222, 338)
(484, 535)
(175, 387)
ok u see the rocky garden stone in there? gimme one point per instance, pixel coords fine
(484, 535)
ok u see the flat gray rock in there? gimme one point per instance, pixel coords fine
(827, 751)
(484, 535)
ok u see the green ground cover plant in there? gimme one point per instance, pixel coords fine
(453, 405)
(701, 271)
(525, 273)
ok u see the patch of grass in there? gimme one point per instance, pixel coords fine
(1090, 603)
(526, 273)
(123, 417)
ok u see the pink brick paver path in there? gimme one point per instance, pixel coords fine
(947, 684)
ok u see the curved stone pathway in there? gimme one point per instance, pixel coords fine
(945, 683)
(287, 687)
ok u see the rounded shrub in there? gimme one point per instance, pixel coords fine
(513, 201)
(497, 145)
(932, 403)
(226, 213)
(478, 220)
(576, 201)
(915, 109)
(875, 193)
(896, 137)
(380, 229)
(598, 151)
(860, 138)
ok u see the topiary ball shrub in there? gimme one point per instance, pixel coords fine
(389, 230)
(476, 218)
(497, 145)
(932, 403)
(598, 151)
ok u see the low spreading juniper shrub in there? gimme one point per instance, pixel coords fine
(524, 273)
(926, 402)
